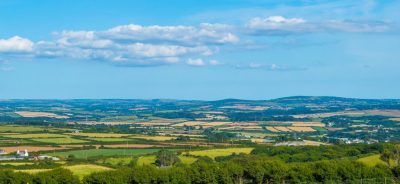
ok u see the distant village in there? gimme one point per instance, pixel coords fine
(23, 155)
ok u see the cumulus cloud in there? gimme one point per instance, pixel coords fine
(279, 25)
(16, 44)
(195, 62)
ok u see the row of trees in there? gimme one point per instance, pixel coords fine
(250, 169)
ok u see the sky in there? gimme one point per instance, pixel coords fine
(199, 49)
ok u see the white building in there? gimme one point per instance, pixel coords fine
(22, 153)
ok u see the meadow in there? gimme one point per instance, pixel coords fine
(102, 152)
(212, 153)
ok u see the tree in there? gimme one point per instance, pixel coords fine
(166, 158)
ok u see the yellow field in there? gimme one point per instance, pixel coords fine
(216, 123)
(153, 138)
(27, 136)
(308, 124)
(272, 129)
(212, 153)
(27, 114)
(146, 160)
(301, 129)
(189, 135)
(189, 123)
(85, 169)
(282, 129)
(32, 171)
(65, 140)
(16, 163)
(374, 160)
(395, 119)
(187, 160)
(99, 135)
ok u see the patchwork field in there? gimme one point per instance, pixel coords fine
(189, 123)
(28, 136)
(301, 129)
(64, 140)
(146, 160)
(187, 159)
(100, 135)
(153, 138)
(85, 169)
(109, 139)
(212, 153)
(102, 152)
(31, 148)
(28, 114)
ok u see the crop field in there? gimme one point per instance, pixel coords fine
(28, 114)
(15, 128)
(114, 161)
(102, 152)
(27, 136)
(83, 170)
(212, 153)
(100, 135)
(308, 124)
(272, 129)
(109, 139)
(146, 160)
(64, 140)
(130, 145)
(187, 159)
(32, 171)
(282, 129)
(189, 123)
(395, 119)
(30, 148)
(301, 129)
(16, 163)
(215, 123)
(153, 138)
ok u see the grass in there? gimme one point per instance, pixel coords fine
(212, 153)
(146, 160)
(109, 139)
(27, 136)
(102, 152)
(374, 160)
(33, 171)
(83, 170)
(153, 138)
(13, 128)
(16, 163)
(99, 135)
(63, 140)
(116, 161)
(187, 159)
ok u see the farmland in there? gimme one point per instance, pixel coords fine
(212, 153)
(102, 152)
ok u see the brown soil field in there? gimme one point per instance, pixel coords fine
(216, 123)
(301, 129)
(28, 114)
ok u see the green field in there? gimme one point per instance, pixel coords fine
(85, 169)
(115, 161)
(12, 128)
(102, 152)
(109, 139)
(186, 159)
(212, 153)
(374, 160)
(64, 140)
(27, 136)
(146, 160)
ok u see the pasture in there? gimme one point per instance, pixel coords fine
(212, 153)
(83, 170)
(146, 160)
(62, 140)
(99, 135)
(109, 139)
(29, 136)
(102, 152)
(153, 138)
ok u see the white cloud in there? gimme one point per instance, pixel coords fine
(279, 25)
(16, 44)
(195, 62)
(214, 62)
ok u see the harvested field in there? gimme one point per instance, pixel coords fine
(28, 114)
(100, 135)
(395, 119)
(308, 124)
(272, 129)
(130, 146)
(83, 170)
(216, 123)
(31, 148)
(189, 123)
(282, 129)
(301, 129)
(153, 138)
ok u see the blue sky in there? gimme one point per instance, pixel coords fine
(208, 49)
